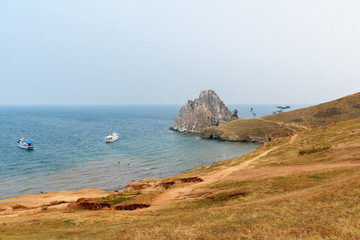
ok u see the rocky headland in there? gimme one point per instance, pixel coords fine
(263, 129)
(206, 111)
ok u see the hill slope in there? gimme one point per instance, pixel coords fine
(286, 124)
(301, 187)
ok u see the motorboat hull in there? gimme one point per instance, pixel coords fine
(25, 146)
(112, 138)
(23, 143)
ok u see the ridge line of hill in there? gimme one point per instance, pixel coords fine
(265, 128)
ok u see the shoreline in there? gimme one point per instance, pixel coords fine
(226, 193)
(109, 174)
(34, 202)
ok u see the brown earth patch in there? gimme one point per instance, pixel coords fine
(93, 205)
(129, 207)
(18, 206)
(83, 203)
(160, 185)
(35, 202)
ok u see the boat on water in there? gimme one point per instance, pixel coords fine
(23, 143)
(112, 138)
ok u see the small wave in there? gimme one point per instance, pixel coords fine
(150, 168)
(25, 190)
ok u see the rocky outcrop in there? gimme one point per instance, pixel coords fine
(206, 111)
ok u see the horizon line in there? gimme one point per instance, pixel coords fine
(136, 104)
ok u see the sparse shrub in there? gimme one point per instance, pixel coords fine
(281, 109)
(235, 113)
(116, 199)
(297, 120)
(228, 195)
(252, 112)
(316, 176)
(18, 206)
(313, 150)
(57, 202)
(69, 221)
(329, 112)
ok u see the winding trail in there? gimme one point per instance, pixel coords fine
(171, 195)
(180, 193)
(293, 138)
(285, 124)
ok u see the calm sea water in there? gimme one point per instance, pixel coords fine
(70, 152)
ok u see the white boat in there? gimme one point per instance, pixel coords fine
(112, 138)
(22, 143)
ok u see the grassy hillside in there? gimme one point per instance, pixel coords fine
(301, 187)
(285, 124)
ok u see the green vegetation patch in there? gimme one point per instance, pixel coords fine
(19, 206)
(57, 203)
(313, 150)
(225, 196)
(69, 221)
(114, 199)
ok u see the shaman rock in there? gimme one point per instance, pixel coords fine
(206, 111)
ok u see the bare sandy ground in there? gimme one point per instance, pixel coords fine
(34, 202)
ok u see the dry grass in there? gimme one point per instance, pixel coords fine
(288, 123)
(311, 204)
(339, 142)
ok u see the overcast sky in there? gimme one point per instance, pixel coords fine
(166, 52)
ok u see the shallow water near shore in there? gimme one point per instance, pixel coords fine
(70, 152)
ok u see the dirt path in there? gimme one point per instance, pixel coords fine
(293, 138)
(285, 124)
(178, 193)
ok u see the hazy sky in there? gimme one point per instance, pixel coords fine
(165, 52)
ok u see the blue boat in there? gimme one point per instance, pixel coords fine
(22, 143)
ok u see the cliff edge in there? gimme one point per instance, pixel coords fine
(206, 111)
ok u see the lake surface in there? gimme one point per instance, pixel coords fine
(70, 152)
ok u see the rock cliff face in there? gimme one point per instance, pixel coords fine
(206, 111)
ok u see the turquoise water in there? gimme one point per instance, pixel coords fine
(70, 152)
